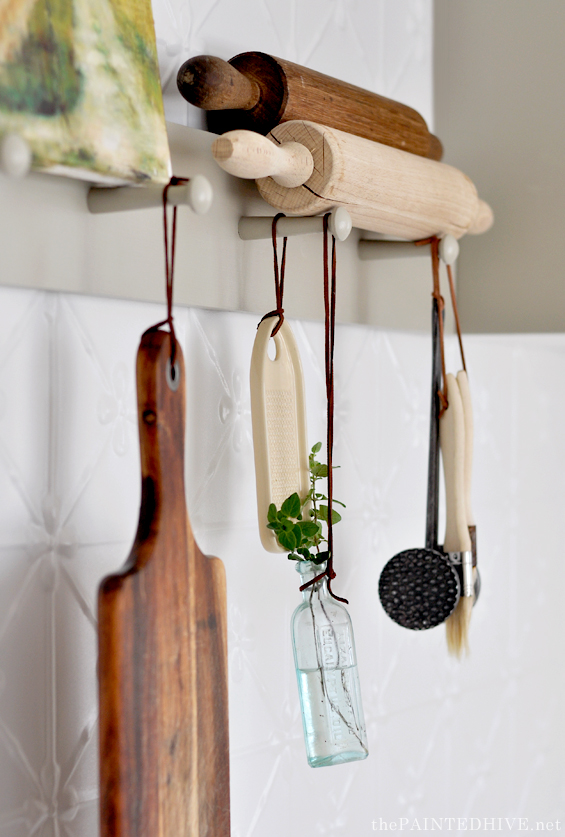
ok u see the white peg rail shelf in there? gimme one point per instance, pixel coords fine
(224, 252)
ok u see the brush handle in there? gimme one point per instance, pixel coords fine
(257, 91)
(249, 155)
(463, 383)
(452, 437)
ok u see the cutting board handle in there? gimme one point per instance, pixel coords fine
(161, 398)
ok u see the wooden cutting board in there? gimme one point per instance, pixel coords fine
(164, 753)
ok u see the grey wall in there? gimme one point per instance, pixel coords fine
(500, 112)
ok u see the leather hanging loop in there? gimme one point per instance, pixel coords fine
(329, 309)
(456, 314)
(279, 277)
(434, 241)
(169, 265)
(441, 306)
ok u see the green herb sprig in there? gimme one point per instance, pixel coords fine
(301, 537)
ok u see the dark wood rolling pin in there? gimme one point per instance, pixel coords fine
(256, 92)
(164, 753)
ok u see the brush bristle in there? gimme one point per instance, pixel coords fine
(457, 627)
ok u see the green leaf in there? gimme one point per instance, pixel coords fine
(305, 553)
(338, 502)
(287, 540)
(297, 532)
(317, 447)
(319, 470)
(291, 506)
(293, 557)
(308, 528)
(274, 526)
(272, 513)
(320, 557)
(323, 514)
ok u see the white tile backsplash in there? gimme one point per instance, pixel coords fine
(480, 738)
(447, 739)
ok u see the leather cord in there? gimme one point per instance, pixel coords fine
(329, 310)
(170, 247)
(279, 277)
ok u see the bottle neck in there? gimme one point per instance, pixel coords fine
(308, 571)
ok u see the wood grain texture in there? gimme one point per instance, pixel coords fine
(250, 155)
(214, 84)
(384, 189)
(164, 752)
(288, 91)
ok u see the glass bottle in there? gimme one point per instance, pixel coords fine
(328, 680)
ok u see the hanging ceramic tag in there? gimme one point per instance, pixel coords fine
(279, 423)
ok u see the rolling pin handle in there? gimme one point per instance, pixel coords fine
(250, 155)
(213, 84)
(483, 221)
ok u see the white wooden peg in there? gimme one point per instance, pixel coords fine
(15, 156)
(448, 249)
(373, 249)
(340, 223)
(197, 194)
(256, 227)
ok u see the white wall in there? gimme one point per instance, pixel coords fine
(482, 738)
(499, 81)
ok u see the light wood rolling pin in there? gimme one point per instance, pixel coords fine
(255, 91)
(304, 169)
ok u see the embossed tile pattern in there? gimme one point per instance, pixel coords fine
(478, 738)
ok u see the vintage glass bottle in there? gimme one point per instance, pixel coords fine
(328, 679)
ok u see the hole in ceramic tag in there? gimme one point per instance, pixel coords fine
(272, 349)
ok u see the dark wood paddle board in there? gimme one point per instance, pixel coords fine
(164, 753)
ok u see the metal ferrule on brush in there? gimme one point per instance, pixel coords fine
(467, 567)
(465, 561)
